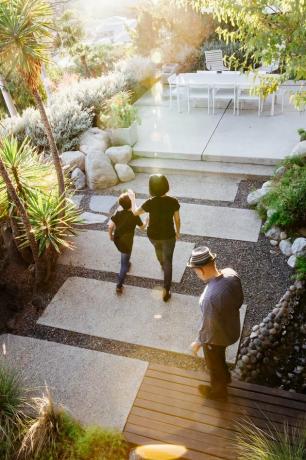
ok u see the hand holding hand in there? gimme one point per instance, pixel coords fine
(195, 347)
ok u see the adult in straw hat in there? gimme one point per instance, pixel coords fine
(220, 326)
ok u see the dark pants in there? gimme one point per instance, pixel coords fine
(217, 367)
(164, 252)
(125, 264)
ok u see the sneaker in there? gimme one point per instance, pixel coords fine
(119, 290)
(208, 392)
(166, 295)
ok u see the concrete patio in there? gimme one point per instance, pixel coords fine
(166, 133)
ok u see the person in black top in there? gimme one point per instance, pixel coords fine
(164, 225)
(121, 230)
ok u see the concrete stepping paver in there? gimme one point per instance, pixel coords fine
(95, 251)
(91, 218)
(102, 203)
(200, 187)
(97, 388)
(220, 222)
(139, 316)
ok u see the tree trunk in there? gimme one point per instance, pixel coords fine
(24, 216)
(86, 68)
(8, 99)
(51, 141)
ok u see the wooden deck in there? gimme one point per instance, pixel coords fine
(169, 409)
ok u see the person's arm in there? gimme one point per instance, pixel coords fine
(111, 230)
(177, 223)
(137, 211)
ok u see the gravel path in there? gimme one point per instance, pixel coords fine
(263, 270)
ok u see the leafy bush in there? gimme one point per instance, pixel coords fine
(302, 133)
(300, 268)
(68, 121)
(288, 198)
(274, 444)
(136, 69)
(12, 411)
(119, 113)
(98, 444)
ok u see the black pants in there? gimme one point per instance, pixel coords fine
(217, 367)
(164, 252)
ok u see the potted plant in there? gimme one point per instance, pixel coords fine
(121, 118)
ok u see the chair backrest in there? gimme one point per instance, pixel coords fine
(172, 80)
(214, 60)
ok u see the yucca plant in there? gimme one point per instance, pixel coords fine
(12, 411)
(49, 227)
(26, 170)
(25, 39)
(272, 444)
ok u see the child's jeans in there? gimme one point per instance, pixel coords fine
(125, 265)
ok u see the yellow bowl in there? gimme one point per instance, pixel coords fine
(160, 451)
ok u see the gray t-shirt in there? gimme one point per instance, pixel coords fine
(220, 304)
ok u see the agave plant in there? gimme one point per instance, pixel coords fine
(50, 227)
(26, 170)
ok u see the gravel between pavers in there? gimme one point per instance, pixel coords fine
(264, 272)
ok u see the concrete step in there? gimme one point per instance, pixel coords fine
(167, 166)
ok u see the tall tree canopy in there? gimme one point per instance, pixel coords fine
(267, 31)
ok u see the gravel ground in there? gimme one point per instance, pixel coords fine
(263, 270)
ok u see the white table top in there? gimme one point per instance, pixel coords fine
(217, 79)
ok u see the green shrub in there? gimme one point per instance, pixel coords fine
(271, 444)
(302, 133)
(99, 444)
(118, 112)
(12, 411)
(300, 268)
(288, 198)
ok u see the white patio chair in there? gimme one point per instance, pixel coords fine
(173, 88)
(214, 60)
(198, 92)
(244, 94)
(224, 92)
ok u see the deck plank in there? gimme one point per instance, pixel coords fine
(169, 409)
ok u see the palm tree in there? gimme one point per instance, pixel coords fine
(25, 37)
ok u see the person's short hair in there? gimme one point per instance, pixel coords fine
(125, 201)
(158, 185)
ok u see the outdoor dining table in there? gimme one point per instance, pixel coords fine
(218, 80)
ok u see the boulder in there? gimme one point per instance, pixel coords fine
(299, 247)
(273, 233)
(100, 173)
(267, 185)
(78, 178)
(94, 140)
(74, 159)
(286, 247)
(254, 197)
(283, 235)
(291, 261)
(125, 172)
(299, 149)
(121, 154)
